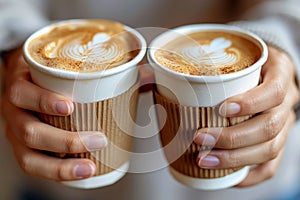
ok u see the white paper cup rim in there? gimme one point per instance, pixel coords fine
(83, 75)
(183, 30)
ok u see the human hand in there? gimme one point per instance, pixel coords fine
(260, 140)
(29, 136)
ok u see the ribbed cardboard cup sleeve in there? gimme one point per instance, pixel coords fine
(178, 124)
(114, 117)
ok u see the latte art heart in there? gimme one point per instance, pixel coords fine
(208, 53)
(99, 50)
(93, 46)
(217, 53)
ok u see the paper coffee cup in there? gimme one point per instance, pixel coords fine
(191, 102)
(104, 101)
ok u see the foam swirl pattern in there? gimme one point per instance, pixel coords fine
(86, 47)
(210, 53)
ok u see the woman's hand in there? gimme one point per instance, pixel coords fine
(260, 140)
(28, 135)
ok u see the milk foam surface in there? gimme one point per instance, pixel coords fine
(86, 46)
(208, 53)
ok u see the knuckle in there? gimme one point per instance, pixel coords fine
(25, 163)
(73, 144)
(14, 95)
(273, 150)
(61, 171)
(249, 103)
(272, 126)
(270, 173)
(233, 160)
(233, 141)
(43, 103)
(280, 91)
(29, 134)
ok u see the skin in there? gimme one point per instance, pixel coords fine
(258, 141)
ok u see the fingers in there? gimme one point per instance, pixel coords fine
(250, 155)
(28, 135)
(37, 135)
(277, 75)
(26, 95)
(259, 129)
(261, 172)
(38, 164)
(260, 140)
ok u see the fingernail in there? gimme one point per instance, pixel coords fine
(95, 142)
(204, 139)
(229, 109)
(84, 171)
(62, 107)
(209, 161)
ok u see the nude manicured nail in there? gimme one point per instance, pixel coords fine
(204, 139)
(62, 107)
(229, 109)
(84, 171)
(94, 142)
(209, 161)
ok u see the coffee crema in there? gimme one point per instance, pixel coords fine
(85, 46)
(208, 53)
